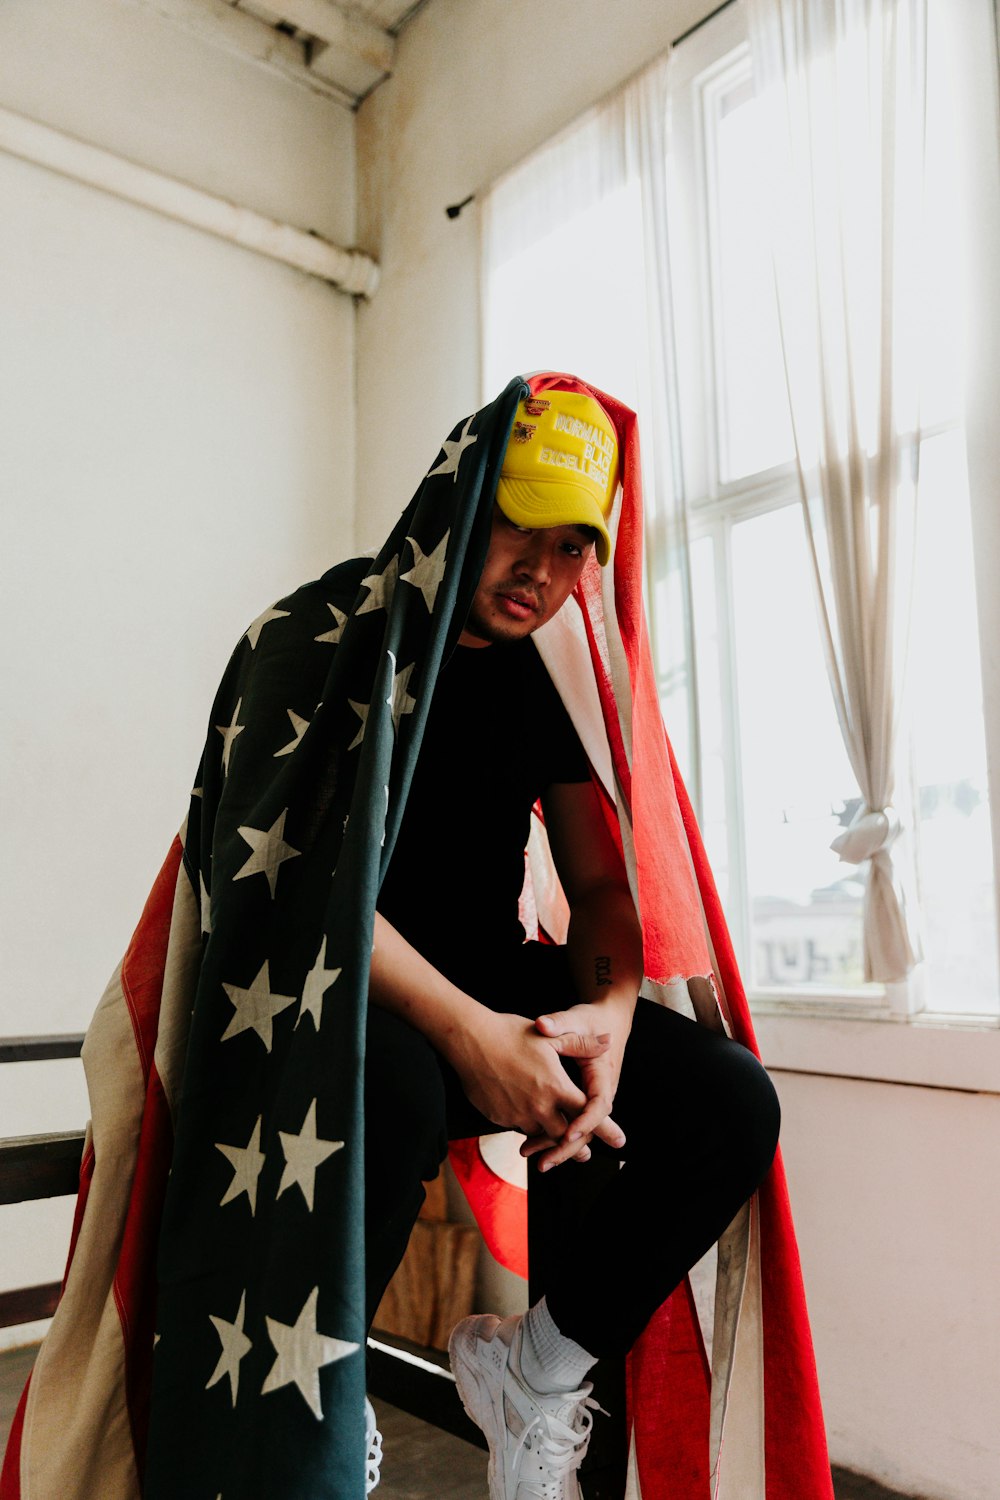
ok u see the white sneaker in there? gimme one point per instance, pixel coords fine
(536, 1441)
(374, 1440)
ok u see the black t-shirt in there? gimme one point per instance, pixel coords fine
(497, 735)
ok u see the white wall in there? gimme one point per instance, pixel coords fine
(893, 1187)
(177, 432)
(893, 1191)
(477, 86)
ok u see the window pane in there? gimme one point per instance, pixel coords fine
(713, 815)
(942, 310)
(954, 851)
(572, 301)
(798, 788)
(754, 420)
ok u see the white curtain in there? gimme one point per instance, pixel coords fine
(842, 91)
(582, 225)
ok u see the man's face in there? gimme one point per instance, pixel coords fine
(528, 574)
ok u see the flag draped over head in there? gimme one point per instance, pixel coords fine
(210, 1338)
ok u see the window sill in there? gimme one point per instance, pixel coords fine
(942, 1052)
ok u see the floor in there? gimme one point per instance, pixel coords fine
(419, 1463)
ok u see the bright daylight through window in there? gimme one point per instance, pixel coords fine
(775, 783)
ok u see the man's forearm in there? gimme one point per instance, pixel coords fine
(604, 944)
(509, 1072)
(404, 982)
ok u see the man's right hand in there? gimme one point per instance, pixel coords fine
(514, 1076)
(510, 1072)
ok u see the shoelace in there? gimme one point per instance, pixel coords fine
(562, 1445)
(374, 1439)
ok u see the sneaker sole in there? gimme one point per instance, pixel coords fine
(476, 1394)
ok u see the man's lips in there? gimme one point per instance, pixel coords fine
(517, 605)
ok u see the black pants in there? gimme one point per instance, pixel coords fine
(698, 1110)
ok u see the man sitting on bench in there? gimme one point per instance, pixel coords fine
(473, 1030)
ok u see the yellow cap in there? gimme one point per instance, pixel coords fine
(561, 465)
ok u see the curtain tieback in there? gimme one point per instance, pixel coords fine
(871, 831)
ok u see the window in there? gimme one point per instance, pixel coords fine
(772, 779)
(777, 784)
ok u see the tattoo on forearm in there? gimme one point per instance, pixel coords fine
(602, 971)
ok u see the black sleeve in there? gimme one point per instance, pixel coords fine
(567, 759)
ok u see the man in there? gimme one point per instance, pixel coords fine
(501, 1016)
(260, 1130)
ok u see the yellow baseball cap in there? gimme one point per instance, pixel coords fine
(561, 465)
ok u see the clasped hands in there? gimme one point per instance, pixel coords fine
(512, 1071)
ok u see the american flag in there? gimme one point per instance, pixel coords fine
(210, 1338)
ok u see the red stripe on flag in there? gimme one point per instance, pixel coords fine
(135, 1274)
(10, 1476)
(83, 1193)
(671, 1427)
(673, 929)
(142, 966)
(501, 1209)
(794, 1435)
(135, 1277)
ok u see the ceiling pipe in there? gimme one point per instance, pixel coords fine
(350, 271)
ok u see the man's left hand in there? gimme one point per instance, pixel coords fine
(599, 1076)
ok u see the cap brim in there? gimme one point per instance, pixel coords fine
(553, 503)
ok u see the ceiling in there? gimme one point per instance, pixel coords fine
(342, 50)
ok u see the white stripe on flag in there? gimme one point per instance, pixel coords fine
(633, 1489)
(565, 652)
(77, 1440)
(180, 976)
(737, 1429)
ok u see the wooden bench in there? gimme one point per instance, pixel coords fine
(415, 1381)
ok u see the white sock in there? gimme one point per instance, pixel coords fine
(549, 1361)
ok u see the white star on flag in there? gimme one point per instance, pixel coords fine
(229, 733)
(318, 981)
(206, 904)
(299, 727)
(399, 700)
(362, 710)
(382, 586)
(332, 637)
(303, 1154)
(253, 630)
(269, 851)
(256, 1008)
(302, 1352)
(246, 1162)
(428, 569)
(453, 449)
(235, 1345)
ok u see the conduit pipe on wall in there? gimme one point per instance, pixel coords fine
(349, 271)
